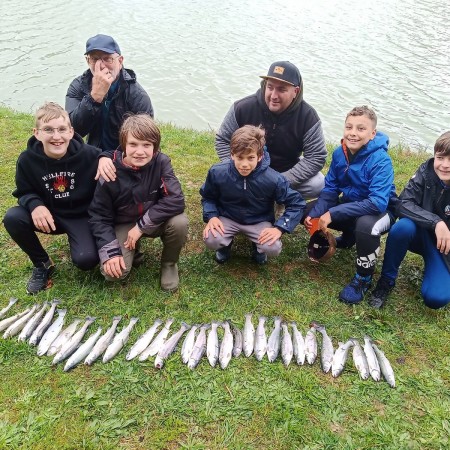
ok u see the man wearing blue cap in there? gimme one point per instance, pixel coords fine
(294, 136)
(98, 100)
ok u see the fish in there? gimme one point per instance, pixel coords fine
(274, 341)
(52, 333)
(169, 346)
(340, 358)
(32, 323)
(143, 341)
(188, 344)
(327, 352)
(311, 345)
(45, 323)
(5, 323)
(212, 345)
(199, 348)
(260, 339)
(226, 347)
(63, 337)
(287, 348)
(17, 326)
(157, 343)
(82, 351)
(12, 302)
(72, 344)
(372, 361)
(119, 341)
(385, 366)
(248, 335)
(238, 341)
(360, 360)
(102, 344)
(298, 344)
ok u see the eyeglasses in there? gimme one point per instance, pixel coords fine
(105, 59)
(51, 131)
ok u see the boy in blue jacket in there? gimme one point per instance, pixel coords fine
(358, 190)
(238, 197)
(423, 228)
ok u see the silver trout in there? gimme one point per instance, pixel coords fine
(12, 302)
(287, 348)
(385, 366)
(199, 348)
(143, 341)
(17, 326)
(274, 342)
(372, 361)
(238, 341)
(212, 345)
(298, 344)
(158, 342)
(32, 323)
(311, 345)
(188, 344)
(52, 332)
(119, 341)
(260, 339)
(248, 335)
(340, 358)
(360, 360)
(327, 352)
(5, 323)
(82, 351)
(72, 344)
(169, 346)
(45, 323)
(63, 337)
(103, 343)
(226, 347)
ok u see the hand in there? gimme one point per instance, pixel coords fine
(133, 236)
(442, 237)
(43, 219)
(324, 221)
(214, 225)
(101, 82)
(114, 266)
(106, 169)
(269, 236)
(307, 223)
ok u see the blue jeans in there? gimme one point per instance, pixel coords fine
(406, 235)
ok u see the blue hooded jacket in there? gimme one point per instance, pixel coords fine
(249, 200)
(363, 187)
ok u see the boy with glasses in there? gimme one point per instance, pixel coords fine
(54, 186)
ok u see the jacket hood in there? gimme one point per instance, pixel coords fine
(35, 147)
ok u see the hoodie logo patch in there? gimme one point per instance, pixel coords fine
(59, 184)
(279, 70)
(447, 210)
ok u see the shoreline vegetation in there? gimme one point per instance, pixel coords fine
(250, 405)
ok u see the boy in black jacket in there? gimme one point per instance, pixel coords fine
(54, 186)
(145, 199)
(423, 228)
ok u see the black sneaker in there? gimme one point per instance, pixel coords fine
(40, 279)
(223, 254)
(259, 258)
(381, 292)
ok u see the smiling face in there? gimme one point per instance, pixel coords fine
(246, 162)
(442, 167)
(138, 153)
(55, 136)
(279, 95)
(358, 131)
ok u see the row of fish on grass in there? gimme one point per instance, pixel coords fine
(35, 326)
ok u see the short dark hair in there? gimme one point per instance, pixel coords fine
(248, 138)
(142, 127)
(442, 145)
(363, 111)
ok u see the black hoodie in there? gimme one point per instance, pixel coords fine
(65, 186)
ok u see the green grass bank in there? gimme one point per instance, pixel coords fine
(251, 405)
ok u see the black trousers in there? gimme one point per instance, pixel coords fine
(83, 251)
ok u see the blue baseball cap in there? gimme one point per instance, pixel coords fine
(103, 43)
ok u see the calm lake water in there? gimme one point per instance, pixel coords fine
(196, 57)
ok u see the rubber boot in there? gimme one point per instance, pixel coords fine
(169, 276)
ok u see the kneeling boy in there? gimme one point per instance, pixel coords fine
(238, 197)
(358, 190)
(145, 199)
